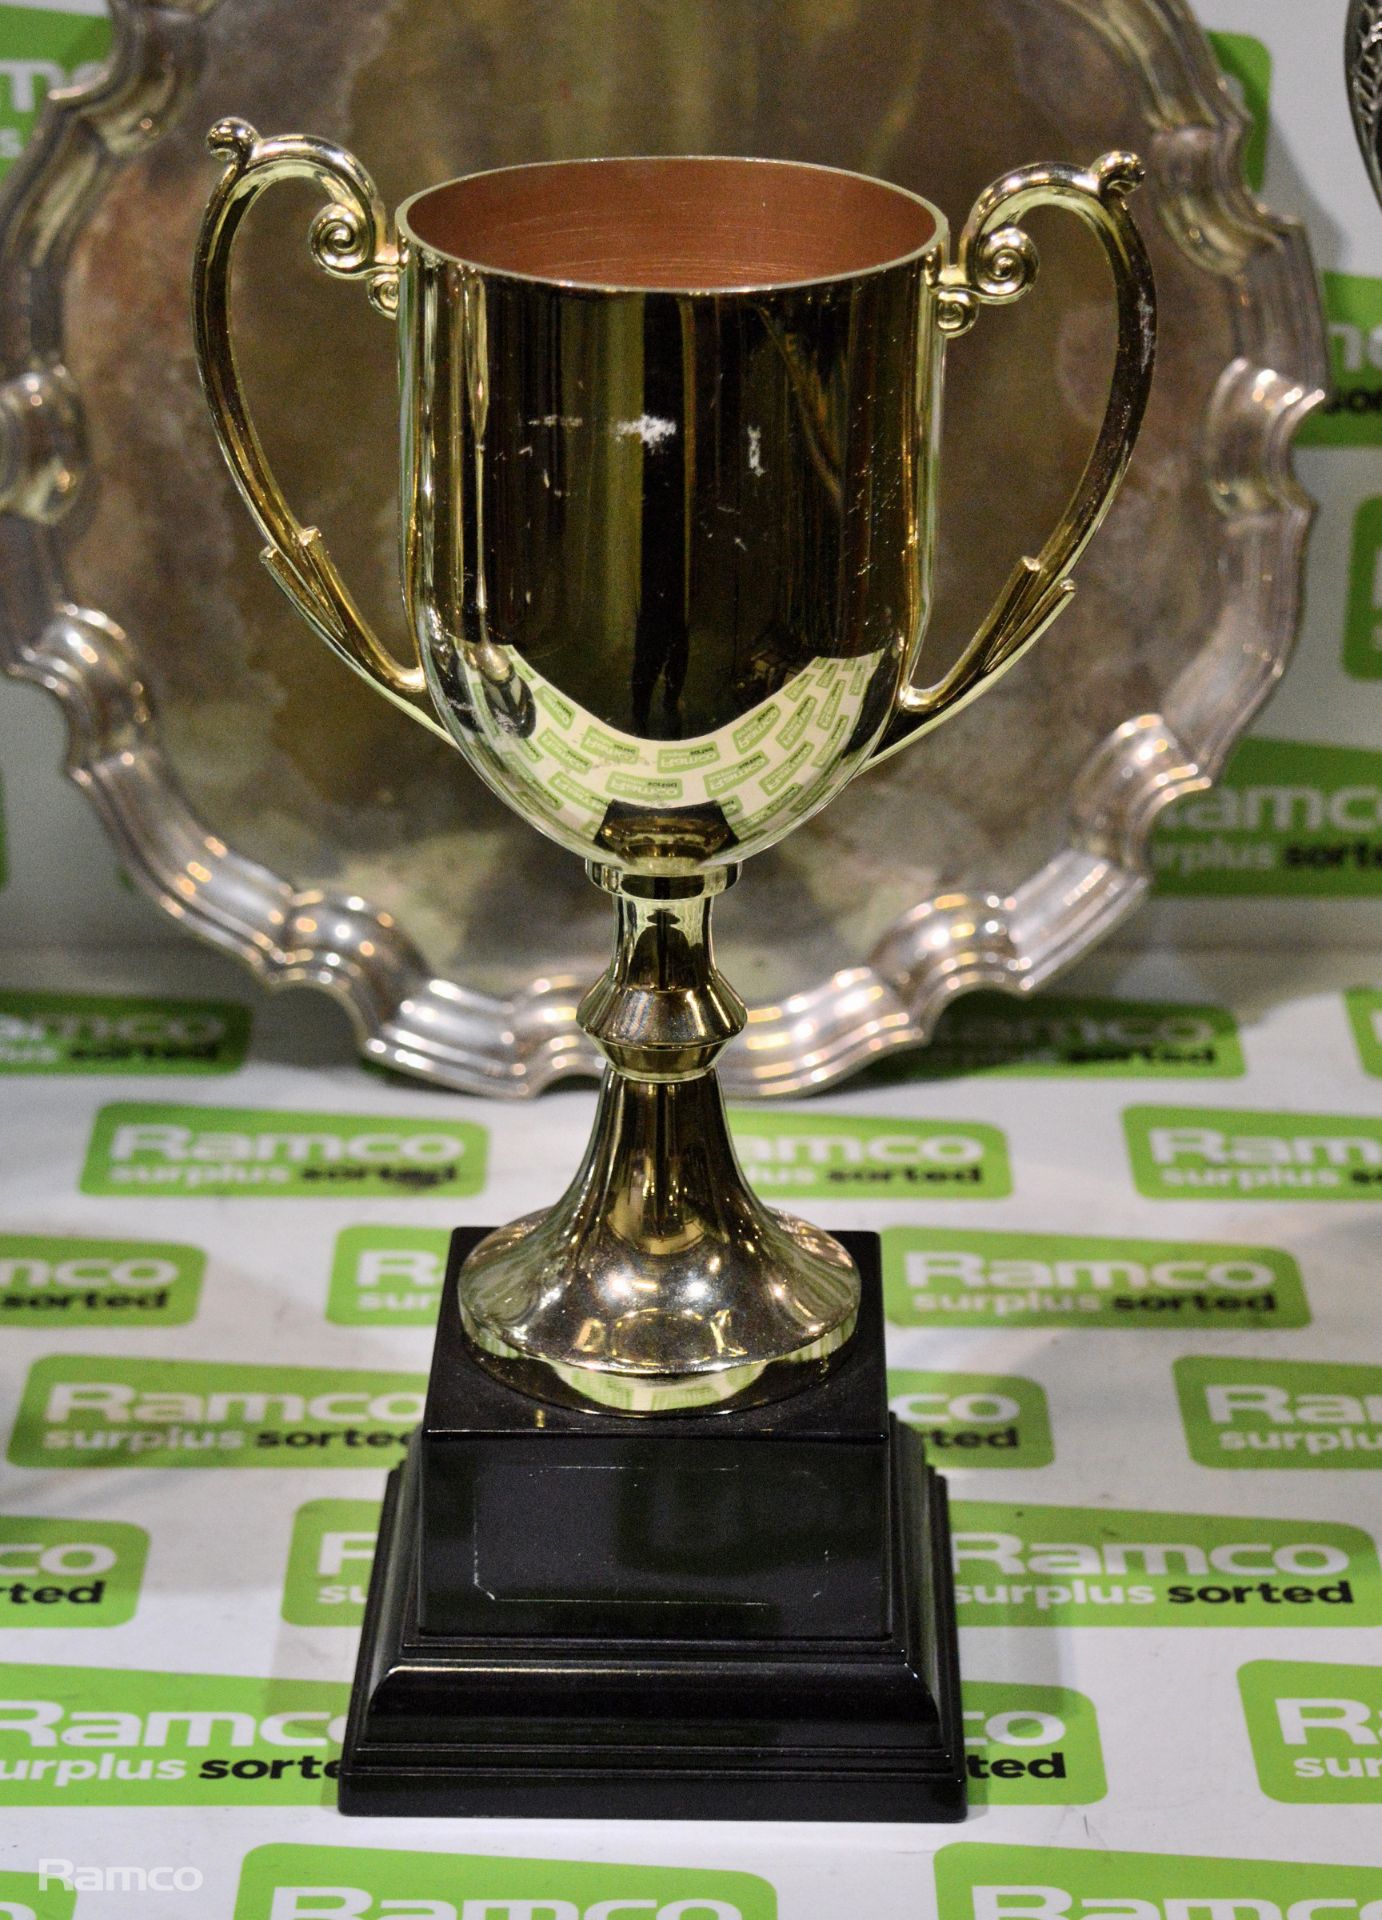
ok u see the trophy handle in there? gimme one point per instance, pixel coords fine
(349, 238)
(995, 261)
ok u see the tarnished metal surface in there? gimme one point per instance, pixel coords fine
(286, 815)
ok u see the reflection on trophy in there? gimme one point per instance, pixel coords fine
(670, 434)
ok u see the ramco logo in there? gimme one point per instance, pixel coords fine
(69, 1573)
(66, 1556)
(1350, 416)
(113, 1401)
(939, 1277)
(95, 1736)
(93, 1879)
(1071, 1027)
(988, 1033)
(48, 1724)
(1040, 1566)
(196, 1413)
(1316, 1730)
(329, 1562)
(1171, 1145)
(368, 1883)
(1006, 1552)
(48, 1281)
(27, 81)
(78, 1033)
(358, 1903)
(1031, 1746)
(240, 1153)
(175, 1146)
(1239, 1274)
(387, 1276)
(989, 1419)
(1356, 348)
(1286, 818)
(74, 1027)
(1179, 1155)
(30, 1274)
(887, 1150)
(834, 1154)
(1267, 1413)
(45, 48)
(979, 1882)
(1057, 1903)
(1299, 1719)
(1296, 808)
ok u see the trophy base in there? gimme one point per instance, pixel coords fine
(742, 1615)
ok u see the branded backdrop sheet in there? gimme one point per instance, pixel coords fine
(1129, 1238)
(1142, 1349)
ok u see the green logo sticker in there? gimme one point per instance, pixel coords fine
(1183, 1153)
(1316, 1730)
(84, 1033)
(1031, 1746)
(42, 48)
(107, 1412)
(47, 1282)
(387, 1276)
(1089, 1039)
(1352, 415)
(819, 1156)
(1363, 621)
(981, 1419)
(110, 1737)
(979, 1882)
(69, 1573)
(941, 1277)
(240, 1153)
(1285, 819)
(27, 1896)
(1096, 1567)
(1364, 1007)
(1280, 1413)
(372, 1883)
(329, 1563)
(1247, 66)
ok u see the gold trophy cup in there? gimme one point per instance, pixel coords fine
(670, 433)
(669, 441)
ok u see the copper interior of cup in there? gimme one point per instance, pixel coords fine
(683, 225)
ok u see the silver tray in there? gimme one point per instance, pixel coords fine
(284, 814)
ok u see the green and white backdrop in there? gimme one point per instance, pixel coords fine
(1131, 1233)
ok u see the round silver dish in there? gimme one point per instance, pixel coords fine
(338, 846)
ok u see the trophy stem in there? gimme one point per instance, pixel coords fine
(662, 1011)
(659, 1283)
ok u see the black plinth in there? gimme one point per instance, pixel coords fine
(724, 1615)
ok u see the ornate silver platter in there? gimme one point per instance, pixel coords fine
(991, 854)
